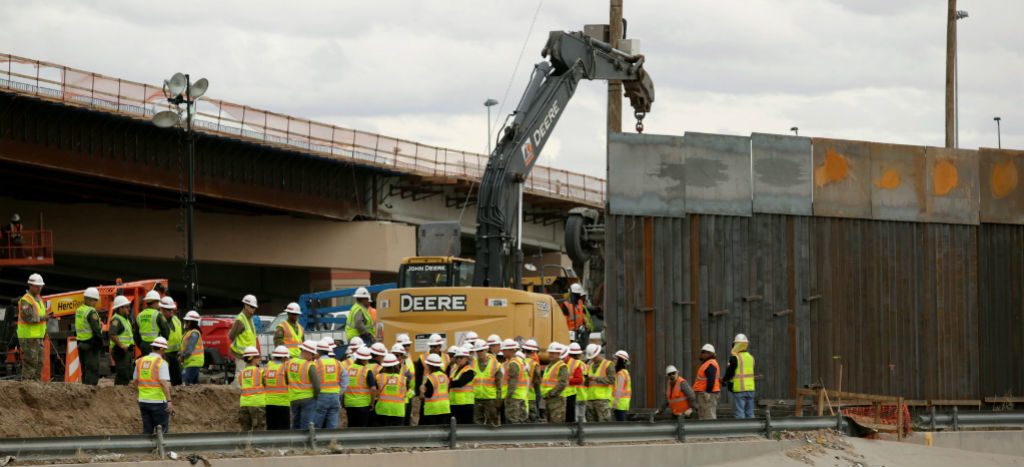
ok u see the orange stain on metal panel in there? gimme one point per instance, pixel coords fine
(835, 168)
(944, 178)
(890, 180)
(1003, 178)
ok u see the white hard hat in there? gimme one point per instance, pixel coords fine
(250, 351)
(671, 369)
(361, 293)
(120, 301)
(435, 340)
(623, 355)
(596, 336)
(576, 288)
(403, 339)
(355, 343)
(193, 316)
(293, 309)
(159, 343)
(36, 279)
(480, 345)
(741, 338)
(379, 349)
(308, 346)
(493, 339)
(592, 350)
(574, 349)
(452, 349)
(509, 344)
(389, 361)
(151, 296)
(16, 218)
(708, 348)
(434, 360)
(461, 352)
(469, 346)
(93, 293)
(327, 343)
(471, 336)
(554, 347)
(167, 303)
(363, 353)
(398, 348)
(250, 300)
(520, 354)
(530, 344)
(565, 353)
(281, 351)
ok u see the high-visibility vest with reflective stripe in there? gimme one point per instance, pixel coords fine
(126, 337)
(299, 386)
(330, 375)
(391, 401)
(251, 382)
(410, 372)
(83, 331)
(149, 330)
(582, 391)
(351, 331)
(532, 364)
(174, 338)
(293, 337)
(358, 392)
(276, 384)
(438, 403)
(246, 338)
(32, 330)
(576, 315)
(147, 374)
(445, 360)
(550, 379)
(571, 390)
(700, 384)
(597, 391)
(522, 381)
(464, 394)
(623, 390)
(197, 358)
(743, 380)
(483, 380)
(677, 400)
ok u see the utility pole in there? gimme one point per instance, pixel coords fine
(615, 87)
(951, 75)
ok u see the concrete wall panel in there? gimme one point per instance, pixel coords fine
(952, 191)
(717, 174)
(898, 182)
(782, 174)
(1002, 196)
(646, 175)
(842, 178)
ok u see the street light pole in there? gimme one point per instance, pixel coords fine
(489, 103)
(795, 130)
(999, 132)
(190, 200)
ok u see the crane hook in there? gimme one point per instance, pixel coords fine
(639, 121)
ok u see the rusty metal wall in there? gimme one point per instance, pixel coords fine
(1001, 304)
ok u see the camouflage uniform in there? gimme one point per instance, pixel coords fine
(515, 409)
(534, 411)
(485, 411)
(600, 410)
(555, 402)
(31, 349)
(252, 418)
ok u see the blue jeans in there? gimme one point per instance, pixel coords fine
(190, 376)
(744, 403)
(154, 415)
(303, 412)
(327, 407)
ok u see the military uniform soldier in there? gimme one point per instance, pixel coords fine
(600, 381)
(88, 334)
(515, 384)
(32, 316)
(556, 379)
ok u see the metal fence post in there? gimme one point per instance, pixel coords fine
(956, 418)
(768, 424)
(933, 418)
(160, 441)
(579, 433)
(312, 436)
(681, 428)
(839, 420)
(452, 427)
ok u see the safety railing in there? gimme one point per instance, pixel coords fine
(87, 89)
(26, 248)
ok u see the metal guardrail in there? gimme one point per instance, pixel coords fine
(956, 420)
(71, 86)
(443, 436)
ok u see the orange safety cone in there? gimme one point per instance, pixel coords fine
(72, 368)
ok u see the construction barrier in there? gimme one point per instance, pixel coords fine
(73, 368)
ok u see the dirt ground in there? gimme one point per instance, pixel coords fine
(29, 409)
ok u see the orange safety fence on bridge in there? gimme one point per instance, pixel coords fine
(82, 88)
(27, 248)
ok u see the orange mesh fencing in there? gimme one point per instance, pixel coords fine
(885, 414)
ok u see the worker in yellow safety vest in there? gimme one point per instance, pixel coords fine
(193, 354)
(460, 388)
(361, 389)
(153, 381)
(275, 385)
(394, 385)
(530, 349)
(252, 403)
(486, 386)
(151, 323)
(739, 376)
(122, 341)
(169, 309)
(623, 386)
(600, 380)
(289, 332)
(89, 336)
(243, 332)
(554, 382)
(515, 384)
(435, 390)
(575, 394)
(401, 352)
(360, 321)
(303, 386)
(332, 382)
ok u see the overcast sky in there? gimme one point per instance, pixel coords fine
(420, 70)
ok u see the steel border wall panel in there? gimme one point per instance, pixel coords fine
(952, 186)
(842, 178)
(1002, 193)
(898, 182)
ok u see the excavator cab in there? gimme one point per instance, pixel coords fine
(435, 271)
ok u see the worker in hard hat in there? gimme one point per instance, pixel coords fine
(153, 381)
(451, 357)
(469, 336)
(151, 323)
(360, 321)
(303, 386)
(494, 346)
(532, 360)
(555, 381)
(377, 353)
(600, 381)
(575, 395)
(169, 310)
(332, 378)
(32, 317)
(243, 331)
(678, 393)
(353, 346)
(486, 386)
(122, 341)
(436, 402)
(706, 384)
(515, 384)
(460, 389)
(577, 315)
(193, 353)
(13, 232)
(435, 343)
(289, 332)
(405, 368)
(623, 393)
(252, 403)
(389, 410)
(739, 377)
(89, 336)
(361, 390)
(275, 384)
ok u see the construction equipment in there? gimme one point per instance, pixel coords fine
(432, 296)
